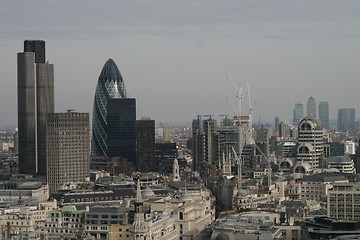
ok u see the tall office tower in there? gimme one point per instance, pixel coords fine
(35, 101)
(346, 119)
(324, 114)
(145, 145)
(209, 133)
(277, 125)
(198, 147)
(298, 113)
(114, 116)
(68, 148)
(311, 107)
(310, 147)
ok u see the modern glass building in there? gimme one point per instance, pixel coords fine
(114, 116)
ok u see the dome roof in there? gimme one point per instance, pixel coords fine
(242, 193)
(147, 192)
(310, 123)
(222, 236)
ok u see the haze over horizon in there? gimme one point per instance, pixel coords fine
(175, 55)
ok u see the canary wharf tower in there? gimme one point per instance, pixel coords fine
(114, 116)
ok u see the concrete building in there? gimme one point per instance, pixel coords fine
(310, 147)
(343, 201)
(342, 163)
(29, 193)
(317, 186)
(35, 101)
(68, 148)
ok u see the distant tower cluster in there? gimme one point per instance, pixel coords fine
(114, 116)
(35, 101)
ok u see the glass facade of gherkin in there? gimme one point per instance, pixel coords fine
(114, 116)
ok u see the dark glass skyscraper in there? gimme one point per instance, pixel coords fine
(35, 101)
(114, 116)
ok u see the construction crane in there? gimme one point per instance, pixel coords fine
(208, 116)
(238, 94)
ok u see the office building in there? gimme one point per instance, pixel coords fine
(35, 101)
(343, 201)
(310, 149)
(346, 119)
(114, 116)
(145, 145)
(277, 125)
(68, 148)
(324, 114)
(311, 107)
(298, 113)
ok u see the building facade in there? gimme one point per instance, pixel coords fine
(145, 145)
(324, 114)
(298, 113)
(310, 147)
(35, 101)
(114, 116)
(68, 148)
(346, 119)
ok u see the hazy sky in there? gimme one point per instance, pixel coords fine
(174, 55)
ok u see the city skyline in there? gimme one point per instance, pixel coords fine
(175, 56)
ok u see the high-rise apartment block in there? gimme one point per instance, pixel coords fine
(114, 116)
(324, 114)
(298, 113)
(311, 107)
(68, 148)
(346, 119)
(35, 101)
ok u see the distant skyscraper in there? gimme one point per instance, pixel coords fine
(277, 123)
(311, 107)
(324, 114)
(346, 119)
(145, 145)
(114, 116)
(298, 113)
(68, 148)
(35, 101)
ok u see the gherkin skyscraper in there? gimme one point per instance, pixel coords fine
(114, 116)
